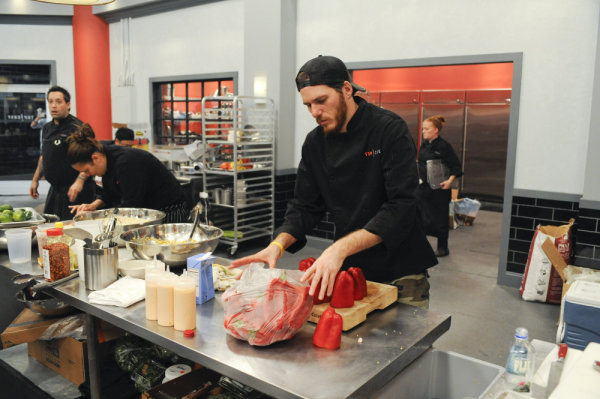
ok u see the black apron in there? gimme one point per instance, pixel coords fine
(61, 176)
(434, 205)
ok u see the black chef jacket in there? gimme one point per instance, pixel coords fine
(438, 149)
(366, 178)
(434, 203)
(57, 169)
(135, 178)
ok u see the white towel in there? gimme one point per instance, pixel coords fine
(124, 292)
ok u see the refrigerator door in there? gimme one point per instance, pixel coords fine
(486, 140)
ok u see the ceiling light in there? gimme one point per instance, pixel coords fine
(78, 2)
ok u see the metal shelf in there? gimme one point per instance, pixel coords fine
(240, 132)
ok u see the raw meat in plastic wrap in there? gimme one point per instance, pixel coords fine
(267, 306)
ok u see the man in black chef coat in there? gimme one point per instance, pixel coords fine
(359, 165)
(67, 186)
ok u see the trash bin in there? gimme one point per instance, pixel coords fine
(442, 375)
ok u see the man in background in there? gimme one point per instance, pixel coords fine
(125, 137)
(67, 186)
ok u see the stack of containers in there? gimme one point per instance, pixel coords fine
(171, 299)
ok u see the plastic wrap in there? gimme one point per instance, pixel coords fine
(72, 326)
(267, 306)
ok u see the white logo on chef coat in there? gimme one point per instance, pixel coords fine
(57, 142)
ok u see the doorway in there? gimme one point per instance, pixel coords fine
(462, 70)
(474, 100)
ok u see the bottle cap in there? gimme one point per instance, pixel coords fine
(54, 232)
(189, 333)
(521, 333)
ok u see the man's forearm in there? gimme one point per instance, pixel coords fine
(355, 242)
(39, 170)
(285, 239)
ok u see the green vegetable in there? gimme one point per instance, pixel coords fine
(28, 214)
(7, 212)
(147, 375)
(5, 207)
(4, 218)
(18, 216)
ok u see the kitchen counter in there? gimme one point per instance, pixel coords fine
(371, 354)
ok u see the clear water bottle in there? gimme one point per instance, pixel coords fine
(520, 362)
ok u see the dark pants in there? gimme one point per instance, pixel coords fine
(176, 213)
(434, 206)
(57, 201)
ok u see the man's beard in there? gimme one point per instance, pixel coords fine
(339, 117)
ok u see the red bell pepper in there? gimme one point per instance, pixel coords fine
(343, 291)
(306, 263)
(328, 333)
(360, 283)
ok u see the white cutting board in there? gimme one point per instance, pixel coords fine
(581, 380)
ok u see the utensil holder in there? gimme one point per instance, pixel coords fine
(100, 266)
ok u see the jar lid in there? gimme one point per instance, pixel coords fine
(54, 232)
(189, 333)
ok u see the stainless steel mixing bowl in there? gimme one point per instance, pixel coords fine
(142, 242)
(46, 305)
(145, 216)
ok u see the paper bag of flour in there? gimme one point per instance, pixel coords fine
(541, 282)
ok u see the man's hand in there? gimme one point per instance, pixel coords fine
(81, 208)
(324, 270)
(268, 255)
(33, 189)
(75, 189)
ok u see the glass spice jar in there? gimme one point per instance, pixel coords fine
(57, 262)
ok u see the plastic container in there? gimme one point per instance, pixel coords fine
(176, 370)
(581, 312)
(19, 245)
(520, 361)
(165, 299)
(441, 374)
(152, 277)
(56, 255)
(184, 302)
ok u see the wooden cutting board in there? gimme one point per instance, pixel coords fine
(379, 296)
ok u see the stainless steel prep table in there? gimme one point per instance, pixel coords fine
(391, 339)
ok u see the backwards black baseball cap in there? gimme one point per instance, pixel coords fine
(324, 70)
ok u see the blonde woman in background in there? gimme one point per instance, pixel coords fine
(434, 202)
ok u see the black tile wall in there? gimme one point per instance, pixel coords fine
(284, 192)
(528, 213)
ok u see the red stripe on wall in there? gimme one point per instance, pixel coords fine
(91, 53)
(446, 77)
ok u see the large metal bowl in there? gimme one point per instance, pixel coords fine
(145, 216)
(140, 241)
(46, 306)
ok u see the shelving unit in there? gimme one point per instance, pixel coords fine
(238, 137)
(177, 108)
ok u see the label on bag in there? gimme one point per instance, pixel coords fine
(46, 263)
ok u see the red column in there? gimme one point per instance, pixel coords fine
(91, 52)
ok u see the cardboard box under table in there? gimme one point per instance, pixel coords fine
(26, 327)
(66, 356)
